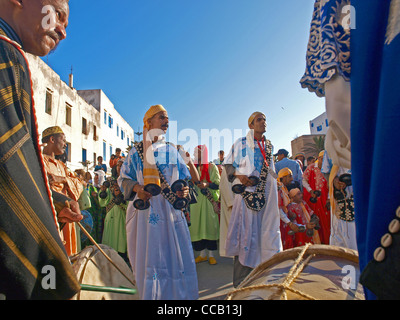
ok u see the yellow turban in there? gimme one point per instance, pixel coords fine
(52, 130)
(151, 113)
(321, 154)
(293, 192)
(253, 116)
(284, 172)
(150, 171)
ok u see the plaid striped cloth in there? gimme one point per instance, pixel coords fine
(29, 238)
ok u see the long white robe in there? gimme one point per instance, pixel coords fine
(253, 236)
(227, 197)
(159, 245)
(343, 233)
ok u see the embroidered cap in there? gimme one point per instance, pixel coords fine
(51, 131)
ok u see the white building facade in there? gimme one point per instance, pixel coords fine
(83, 116)
(319, 125)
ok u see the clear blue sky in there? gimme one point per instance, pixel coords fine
(211, 63)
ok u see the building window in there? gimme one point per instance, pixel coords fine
(104, 150)
(68, 150)
(105, 117)
(94, 158)
(327, 123)
(84, 155)
(68, 114)
(49, 101)
(84, 126)
(127, 141)
(95, 137)
(111, 151)
(110, 121)
(117, 130)
(319, 128)
(122, 134)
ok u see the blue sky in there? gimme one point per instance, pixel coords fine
(211, 63)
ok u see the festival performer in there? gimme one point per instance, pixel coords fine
(159, 245)
(114, 234)
(285, 179)
(300, 212)
(61, 179)
(29, 236)
(254, 227)
(316, 192)
(204, 229)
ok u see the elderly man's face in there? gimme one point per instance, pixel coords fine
(42, 25)
(159, 121)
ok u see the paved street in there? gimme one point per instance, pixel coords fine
(215, 281)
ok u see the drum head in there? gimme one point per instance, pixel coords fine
(92, 268)
(321, 272)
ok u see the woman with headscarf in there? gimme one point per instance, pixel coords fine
(204, 229)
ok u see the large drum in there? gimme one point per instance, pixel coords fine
(312, 272)
(92, 268)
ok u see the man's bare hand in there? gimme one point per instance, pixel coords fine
(141, 193)
(338, 184)
(245, 180)
(183, 193)
(70, 213)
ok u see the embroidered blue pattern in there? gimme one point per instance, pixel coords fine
(154, 218)
(328, 51)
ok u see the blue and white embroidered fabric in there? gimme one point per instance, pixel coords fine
(328, 51)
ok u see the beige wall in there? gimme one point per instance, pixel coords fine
(299, 144)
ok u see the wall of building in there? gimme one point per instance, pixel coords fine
(300, 145)
(115, 130)
(80, 114)
(319, 125)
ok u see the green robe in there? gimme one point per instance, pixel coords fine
(204, 221)
(114, 234)
(98, 214)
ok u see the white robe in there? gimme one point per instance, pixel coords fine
(159, 246)
(227, 197)
(253, 236)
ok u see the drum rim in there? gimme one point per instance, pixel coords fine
(334, 251)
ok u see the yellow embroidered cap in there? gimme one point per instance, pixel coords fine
(50, 131)
(321, 154)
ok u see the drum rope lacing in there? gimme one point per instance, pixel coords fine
(284, 286)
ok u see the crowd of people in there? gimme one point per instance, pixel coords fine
(250, 204)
